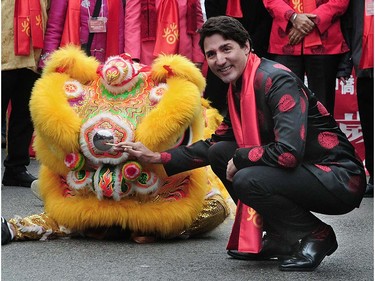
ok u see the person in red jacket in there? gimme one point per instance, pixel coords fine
(306, 37)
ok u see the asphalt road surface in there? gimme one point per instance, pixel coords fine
(199, 259)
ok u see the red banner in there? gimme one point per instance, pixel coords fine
(346, 113)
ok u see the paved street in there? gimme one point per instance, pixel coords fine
(202, 259)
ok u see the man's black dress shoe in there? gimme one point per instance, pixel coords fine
(369, 190)
(17, 178)
(312, 250)
(272, 249)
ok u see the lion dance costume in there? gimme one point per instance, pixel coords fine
(79, 108)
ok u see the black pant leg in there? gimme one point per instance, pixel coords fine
(321, 73)
(286, 199)
(18, 85)
(294, 63)
(365, 97)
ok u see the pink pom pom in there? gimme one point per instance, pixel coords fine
(74, 161)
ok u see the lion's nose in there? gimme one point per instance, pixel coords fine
(101, 138)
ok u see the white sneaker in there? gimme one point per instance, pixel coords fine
(35, 189)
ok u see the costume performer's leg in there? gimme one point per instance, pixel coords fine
(37, 227)
(285, 198)
(215, 211)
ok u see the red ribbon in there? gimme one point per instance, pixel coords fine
(28, 24)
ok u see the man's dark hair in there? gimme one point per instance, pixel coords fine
(229, 28)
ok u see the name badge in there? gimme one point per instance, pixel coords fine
(98, 25)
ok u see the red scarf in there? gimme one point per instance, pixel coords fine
(72, 23)
(367, 56)
(246, 233)
(27, 22)
(112, 43)
(234, 9)
(168, 28)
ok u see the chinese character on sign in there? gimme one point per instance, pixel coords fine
(346, 88)
(351, 126)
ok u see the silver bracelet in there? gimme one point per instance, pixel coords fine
(293, 18)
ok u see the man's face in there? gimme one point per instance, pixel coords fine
(226, 58)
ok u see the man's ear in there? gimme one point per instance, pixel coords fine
(247, 47)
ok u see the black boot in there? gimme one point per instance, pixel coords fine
(17, 177)
(312, 250)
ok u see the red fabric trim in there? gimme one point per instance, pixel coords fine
(165, 157)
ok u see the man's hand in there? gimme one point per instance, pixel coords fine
(138, 151)
(295, 36)
(304, 23)
(231, 170)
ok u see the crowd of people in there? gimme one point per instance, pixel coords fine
(278, 148)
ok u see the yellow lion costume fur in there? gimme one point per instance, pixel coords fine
(79, 108)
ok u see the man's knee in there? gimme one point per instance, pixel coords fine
(246, 183)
